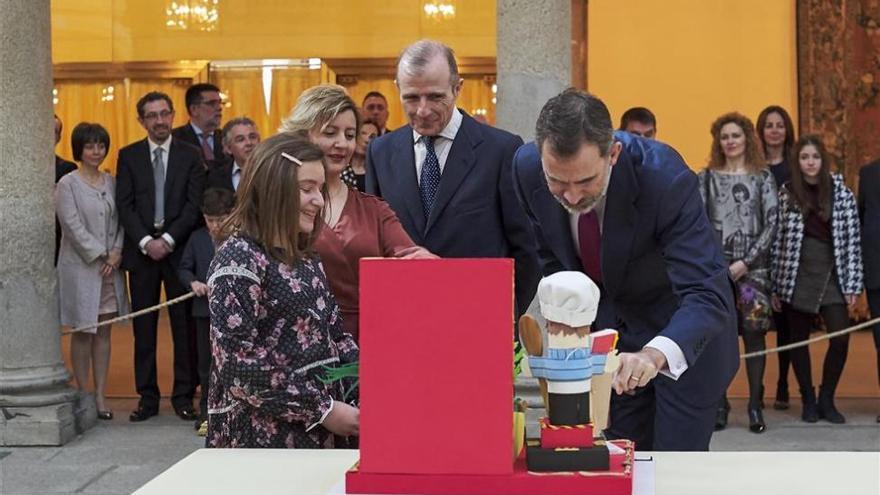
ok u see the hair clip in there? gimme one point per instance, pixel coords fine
(292, 158)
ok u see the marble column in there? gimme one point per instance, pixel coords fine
(36, 405)
(534, 59)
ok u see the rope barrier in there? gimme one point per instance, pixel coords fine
(132, 315)
(803, 343)
(750, 355)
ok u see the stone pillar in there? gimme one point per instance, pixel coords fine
(534, 60)
(36, 405)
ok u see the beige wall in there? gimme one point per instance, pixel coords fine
(689, 61)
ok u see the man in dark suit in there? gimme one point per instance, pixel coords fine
(869, 212)
(627, 212)
(376, 109)
(446, 176)
(158, 188)
(62, 168)
(240, 137)
(205, 109)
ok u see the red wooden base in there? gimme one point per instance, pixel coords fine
(616, 481)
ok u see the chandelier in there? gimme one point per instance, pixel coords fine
(202, 15)
(442, 10)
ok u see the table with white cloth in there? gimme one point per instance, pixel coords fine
(307, 472)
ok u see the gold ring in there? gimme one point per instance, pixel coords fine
(636, 378)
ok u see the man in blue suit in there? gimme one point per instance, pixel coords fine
(447, 176)
(627, 211)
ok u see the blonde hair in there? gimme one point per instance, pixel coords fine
(317, 106)
(267, 201)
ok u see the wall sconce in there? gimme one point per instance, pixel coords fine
(443, 10)
(107, 94)
(54, 96)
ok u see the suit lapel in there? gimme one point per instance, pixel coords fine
(402, 169)
(459, 163)
(618, 223)
(556, 226)
(147, 166)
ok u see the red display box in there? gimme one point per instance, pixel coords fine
(553, 437)
(616, 481)
(436, 338)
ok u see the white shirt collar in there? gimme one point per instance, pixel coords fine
(235, 167)
(164, 145)
(199, 132)
(449, 131)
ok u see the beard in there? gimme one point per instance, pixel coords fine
(586, 203)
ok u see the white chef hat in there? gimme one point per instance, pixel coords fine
(570, 298)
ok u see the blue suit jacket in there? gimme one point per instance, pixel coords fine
(476, 213)
(662, 268)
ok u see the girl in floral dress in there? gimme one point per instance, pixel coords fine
(275, 325)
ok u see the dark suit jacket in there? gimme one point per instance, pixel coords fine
(475, 214)
(662, 267)
(220, 175)
(869, 212)
(188, 135)
(135, 198)
(194, 263)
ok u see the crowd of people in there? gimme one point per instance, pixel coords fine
(268, 234)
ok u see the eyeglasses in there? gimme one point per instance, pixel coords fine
(212, 103)
(164, 114)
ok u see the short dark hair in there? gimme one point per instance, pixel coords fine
(637, 114)
(217, 201)
(572, 118)
(227, 128)
(86, 133)
(194, 93)
(151, 97)
(374, 94)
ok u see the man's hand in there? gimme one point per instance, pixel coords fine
(114, 258)
(415, 253)
(157, 249)
(637, 369)
(344, 420)
(199, 288)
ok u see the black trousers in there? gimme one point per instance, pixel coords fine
(145, 284)
(836, 318)
(203, 340)
(783, 337)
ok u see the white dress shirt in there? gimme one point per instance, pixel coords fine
(675, 361)
(166, 148)
(442, 144)
(199, 133)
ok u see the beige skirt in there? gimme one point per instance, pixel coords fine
(108, 297)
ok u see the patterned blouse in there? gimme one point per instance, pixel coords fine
(273, 329)
(742, 209)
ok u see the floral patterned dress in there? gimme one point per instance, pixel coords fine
(273, 329)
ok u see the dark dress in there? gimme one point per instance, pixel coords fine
(273, 329)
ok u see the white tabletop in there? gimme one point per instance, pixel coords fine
(301, 472)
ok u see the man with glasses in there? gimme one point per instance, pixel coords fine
(205, 109)
(158, 190)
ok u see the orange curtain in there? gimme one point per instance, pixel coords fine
(384, 85)
(244, 97)
(287, 85)
(115, 109)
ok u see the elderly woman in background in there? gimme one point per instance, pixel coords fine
(91, 286)
(275, 325)
(741, 202)
(357, 225)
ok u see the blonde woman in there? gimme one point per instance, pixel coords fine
(357, 225)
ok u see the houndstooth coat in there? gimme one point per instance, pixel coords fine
(845, 237)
